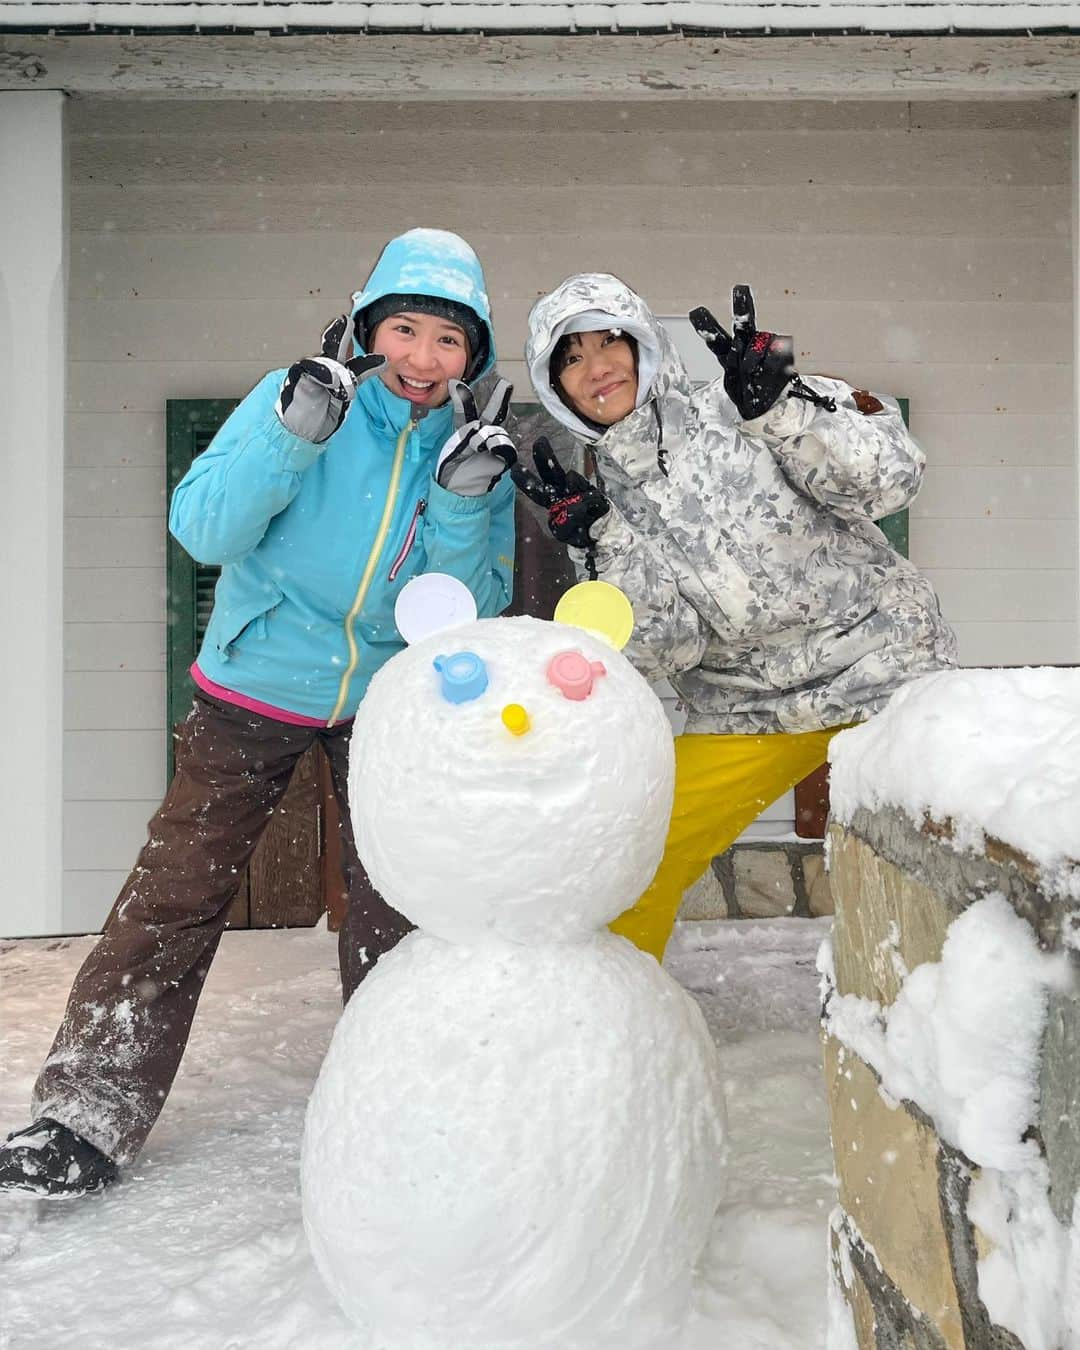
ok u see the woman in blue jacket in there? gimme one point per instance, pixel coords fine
(331, 485)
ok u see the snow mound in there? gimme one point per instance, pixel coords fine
(996, 752)
(962, 1039)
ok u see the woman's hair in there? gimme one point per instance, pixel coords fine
(560, 358)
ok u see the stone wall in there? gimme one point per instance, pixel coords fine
(904, 1250)
(765, 880)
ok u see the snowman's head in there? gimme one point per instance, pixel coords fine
(524, 811)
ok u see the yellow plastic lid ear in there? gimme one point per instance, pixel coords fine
(599, 608)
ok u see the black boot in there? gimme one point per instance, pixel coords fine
(50, 1161)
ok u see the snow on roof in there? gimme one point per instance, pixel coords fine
(784, 16)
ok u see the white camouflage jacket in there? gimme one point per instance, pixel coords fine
(761, 587)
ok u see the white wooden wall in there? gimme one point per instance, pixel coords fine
(33, 289)
(920, 249)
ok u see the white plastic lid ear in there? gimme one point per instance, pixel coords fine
(430, 604)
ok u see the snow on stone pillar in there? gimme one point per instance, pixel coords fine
(33, 321)
(952, 1017)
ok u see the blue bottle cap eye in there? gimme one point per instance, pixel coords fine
(462, 676)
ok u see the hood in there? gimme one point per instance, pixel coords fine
(590, 302)
(431, 262)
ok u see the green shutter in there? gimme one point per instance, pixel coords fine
(895, 527)
(190, 425)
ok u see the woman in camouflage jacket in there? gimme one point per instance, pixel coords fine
(739, 519)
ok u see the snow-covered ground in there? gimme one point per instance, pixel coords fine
(202, 1248)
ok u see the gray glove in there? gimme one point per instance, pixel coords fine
(316, 392)
(479, 452)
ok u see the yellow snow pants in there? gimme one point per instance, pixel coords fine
(722, 783)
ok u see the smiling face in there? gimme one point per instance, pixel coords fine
(423, 354)
(519, 788)
(597, 374)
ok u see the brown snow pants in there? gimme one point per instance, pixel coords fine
(130, 1010)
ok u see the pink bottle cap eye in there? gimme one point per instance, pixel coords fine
(570, 673)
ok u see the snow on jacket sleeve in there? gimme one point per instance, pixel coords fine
(854, 462)
(472, 538)
(250, 472)
(668, 633)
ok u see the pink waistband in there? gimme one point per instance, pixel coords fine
(256, 705)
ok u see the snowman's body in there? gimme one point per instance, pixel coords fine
(515, 1140)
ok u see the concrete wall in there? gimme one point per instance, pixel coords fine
(921, 249)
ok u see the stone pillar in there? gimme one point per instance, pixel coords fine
(33, 353)
(905, 1251)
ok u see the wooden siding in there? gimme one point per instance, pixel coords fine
(924, 249)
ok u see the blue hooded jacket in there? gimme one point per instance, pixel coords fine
(316, 541)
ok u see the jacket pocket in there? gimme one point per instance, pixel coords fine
(250, 616)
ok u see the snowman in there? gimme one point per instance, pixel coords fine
(516, 1138)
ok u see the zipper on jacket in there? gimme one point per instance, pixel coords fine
(369, 569)
(410, 539)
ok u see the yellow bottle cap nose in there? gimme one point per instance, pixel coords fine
(516, 719)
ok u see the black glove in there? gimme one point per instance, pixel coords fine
(316, 392)
(758, 366)
(479, 452)
(573, 504)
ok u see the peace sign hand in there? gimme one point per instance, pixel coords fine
(317, 390)
(758, 366)
(573, 504)
(479, 451)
